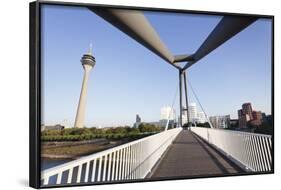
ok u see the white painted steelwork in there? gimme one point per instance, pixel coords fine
(133, 160)
(251, 150)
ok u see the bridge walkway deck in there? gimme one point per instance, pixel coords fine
(190, 156)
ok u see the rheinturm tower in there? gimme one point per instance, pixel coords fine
(88, 62)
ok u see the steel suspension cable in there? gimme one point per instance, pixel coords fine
(172, 108)
(197, 99)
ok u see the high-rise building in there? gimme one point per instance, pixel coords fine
(138, 121)
(240, 113)
(247, 109)
(247, 115)
(167, 112)
(201, 117)
(257, 115)
(88, 62)
(192, 111)
(220, 121)
(257, 118)
(243, 121)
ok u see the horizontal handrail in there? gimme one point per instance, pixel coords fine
(132, 160)
(252, 151)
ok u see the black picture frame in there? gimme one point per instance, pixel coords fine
(35, 86)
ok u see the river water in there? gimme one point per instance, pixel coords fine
(47, 163)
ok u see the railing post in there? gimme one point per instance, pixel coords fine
(117, 165)
(99, 170)
(79, 173)
(120, 164)
(104, 168)
(94, 170)
(109, 167)
(113, 166)
(87, 172)
(69, 177)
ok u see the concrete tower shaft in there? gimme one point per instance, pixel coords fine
(88, 62)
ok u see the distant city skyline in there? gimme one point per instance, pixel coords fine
(128, 79)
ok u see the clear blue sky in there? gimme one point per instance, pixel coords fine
(129, 79)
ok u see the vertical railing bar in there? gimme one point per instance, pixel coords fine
(99, 170)
(79, 173)
(87, 172)
(268, 150)
(120, 164)
(123, 163)
(46, 180)
(243, 158)
(138, 161)
(117, 165)
(252, 154)
(69, 177)
(59, 178)
(134, 162)
(109, 167)
(104, 168)
(247, 151)
(265, 153)
(260, 154)
(257, 153)
(113, 166)
(94, 170)
(128, 163)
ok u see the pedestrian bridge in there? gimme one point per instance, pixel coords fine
(174, 153)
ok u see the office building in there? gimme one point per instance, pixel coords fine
(247, 109)
(167, 112)
(138, 121)
(192, 111)
(220, 121)
(201, 117)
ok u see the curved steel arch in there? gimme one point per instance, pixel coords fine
(134, 24)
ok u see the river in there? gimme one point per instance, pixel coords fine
(47, 163)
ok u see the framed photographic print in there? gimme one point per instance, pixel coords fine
(130, 94)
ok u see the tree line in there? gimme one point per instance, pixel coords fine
(112, 133)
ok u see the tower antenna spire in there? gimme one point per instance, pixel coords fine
(91, 49)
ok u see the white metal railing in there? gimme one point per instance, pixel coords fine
(253, 151)
(133, 160)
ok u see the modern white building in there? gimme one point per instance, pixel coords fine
(220, 121)
(201, 117)
(184, 118)
(192, 110)
(167, 112)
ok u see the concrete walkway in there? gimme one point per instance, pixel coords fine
(190, 156)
